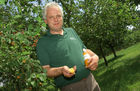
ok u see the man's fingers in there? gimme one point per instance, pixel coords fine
(69, 72)
(74, 67)
(90, 63)
(65, 69)
(94, 66)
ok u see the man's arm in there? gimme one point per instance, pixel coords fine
(93, 60)
(57, 71)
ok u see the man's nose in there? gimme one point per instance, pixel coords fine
(55, 19)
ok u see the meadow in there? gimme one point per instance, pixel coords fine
(122, 73)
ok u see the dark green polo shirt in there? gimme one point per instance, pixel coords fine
(59, 50)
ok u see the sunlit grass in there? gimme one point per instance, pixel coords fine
(122, 73)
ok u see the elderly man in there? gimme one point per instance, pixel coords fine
(60, 52)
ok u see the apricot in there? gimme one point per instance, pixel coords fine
(86, 62)
(71, 70)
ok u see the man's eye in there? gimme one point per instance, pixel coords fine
(58, 15)
(51, 17)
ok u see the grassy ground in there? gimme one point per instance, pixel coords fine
(122, 73)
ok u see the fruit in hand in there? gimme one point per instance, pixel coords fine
(71, 70)
(86, 62)
(86, 56)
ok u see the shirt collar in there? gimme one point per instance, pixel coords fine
(49, 34)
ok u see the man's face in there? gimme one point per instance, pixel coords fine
(54, 19)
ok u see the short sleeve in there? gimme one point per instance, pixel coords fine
(42, 54)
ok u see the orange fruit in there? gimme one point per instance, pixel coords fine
(18, 77)
(40, 84)
(0, 33)
(35, 41)
(12, 43)
(71, 70)
(86, 62)
(24, 61)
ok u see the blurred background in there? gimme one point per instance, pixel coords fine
(111, 28)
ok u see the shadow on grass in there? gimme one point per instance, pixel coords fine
(122, 77)
(115, 58)
(111, 60)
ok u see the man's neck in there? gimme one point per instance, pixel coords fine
(57, 32)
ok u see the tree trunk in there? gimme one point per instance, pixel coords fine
(113, 50)
(103, 55)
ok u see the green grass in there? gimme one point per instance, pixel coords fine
(122, 73)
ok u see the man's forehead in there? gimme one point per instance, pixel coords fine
(53, 10)
(53, 7)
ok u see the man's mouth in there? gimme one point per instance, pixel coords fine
(56, 24)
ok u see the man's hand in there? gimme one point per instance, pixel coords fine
(57, 71)
(66, 71)
(92, 63)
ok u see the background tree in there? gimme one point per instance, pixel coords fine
(104, 24)
(136, 2)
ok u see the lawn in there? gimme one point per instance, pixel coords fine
(122, 73)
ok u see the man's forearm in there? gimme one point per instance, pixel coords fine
(53, 72)
(92, 54)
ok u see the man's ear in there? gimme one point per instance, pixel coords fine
(45, 21)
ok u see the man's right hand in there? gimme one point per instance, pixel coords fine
(57, 71)
(66, 71)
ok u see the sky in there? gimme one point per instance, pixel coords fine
(138, 7)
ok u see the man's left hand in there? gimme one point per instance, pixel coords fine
(93, 62)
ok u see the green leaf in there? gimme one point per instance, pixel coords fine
(26, 53)
(2, 2)
(38, 19)
(41, 78)
(17, 16)
(33, 75)
(33, 83)
(30, 27)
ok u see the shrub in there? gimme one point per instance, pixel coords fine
(19, 68)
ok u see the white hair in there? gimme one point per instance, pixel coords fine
(51, 4)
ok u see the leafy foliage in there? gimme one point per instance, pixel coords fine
(20, 69)
(19, 32)
(100, 24)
